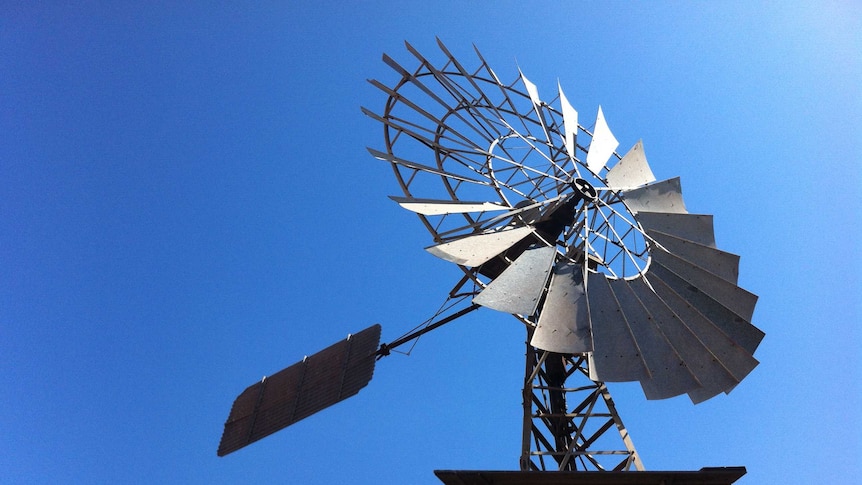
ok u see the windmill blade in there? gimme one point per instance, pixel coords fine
(736, 359)
(664, 196)
(533, 92)
(713, 377)
(602, 146)
(669, 375)
(564, 325)
(476, 249)
(616, 356)
(570, 123)
(735, 326)
(692, 227)
(518, 289)
(631, 171)
(436, 207)
(720, 263)
(315, 383)
(738, 300)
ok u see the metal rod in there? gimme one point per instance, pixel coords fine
(386, 348)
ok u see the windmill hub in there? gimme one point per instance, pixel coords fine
(584, 189)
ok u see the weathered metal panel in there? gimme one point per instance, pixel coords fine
(664, 196)
(705, 367)
(737, 327)
(738, 300)
(519, 288)
(563, 325)
(615, 356)
(735, 358)
(631, 171)
(669, 375)
(693, 227)
(476, 249)
(720, 263)
(315, 383)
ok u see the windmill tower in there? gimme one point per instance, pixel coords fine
(611, 275)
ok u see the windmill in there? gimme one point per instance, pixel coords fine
(611, 275)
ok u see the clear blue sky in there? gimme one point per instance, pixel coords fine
(186, 204)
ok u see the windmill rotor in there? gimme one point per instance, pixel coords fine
(612, 276)
(553, 225)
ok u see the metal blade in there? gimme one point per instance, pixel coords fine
(713, 377)
(717, 262)
(563, 325)
(693, 227)
(664, 196)
(631, 171)
(315, 383)
(570, 124)
(435, 207)
(735, 358)
(519, 288)
(733, 297)
(476, 249)
(602, 146)
(668, 373)
(532, 90)
(738, 328)
(615, 357)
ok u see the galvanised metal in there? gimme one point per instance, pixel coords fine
(570, 421)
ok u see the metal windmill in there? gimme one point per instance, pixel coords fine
(613, 279)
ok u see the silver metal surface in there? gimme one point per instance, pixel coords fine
(570, 124)
(631, 171)
(717, 262)
(533, 92)
(615, 357)
(735, 358)
(474, 250)
(669, 375)
(738, 328)
(564, 325)
(693, 227)
(432, 207)
(738, 300)
(518, 289)
(664, 196)
(703, 365)
(603, 145)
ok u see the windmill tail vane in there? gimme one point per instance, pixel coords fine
(611, 275)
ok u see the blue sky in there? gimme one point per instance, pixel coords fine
(186, 204)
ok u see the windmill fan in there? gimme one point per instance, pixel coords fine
(611, 275)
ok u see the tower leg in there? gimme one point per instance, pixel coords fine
(570, 422)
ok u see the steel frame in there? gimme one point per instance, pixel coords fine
(565, 437)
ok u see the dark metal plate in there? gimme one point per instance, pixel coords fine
(294, 393)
